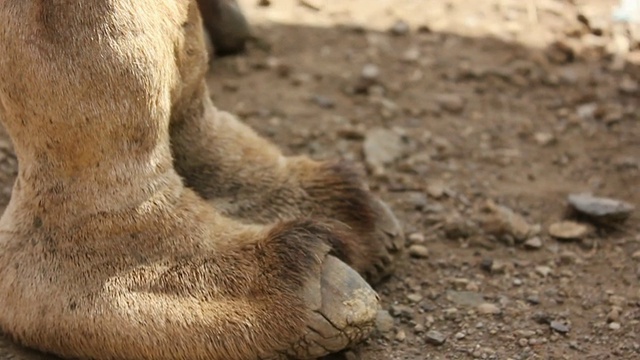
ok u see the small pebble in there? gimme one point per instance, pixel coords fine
(418, 251)
(416, 238)
(560, 327)
(323, 101)
(614, 326)
(543, 270)
(451, 102)
(523, 342)
(435, 337)
(400, 28)
(370, 72)
(488, 309)
(533, 243)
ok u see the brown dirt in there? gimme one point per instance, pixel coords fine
(515, 87)
(514, 102)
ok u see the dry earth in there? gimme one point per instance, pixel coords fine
(475, 120)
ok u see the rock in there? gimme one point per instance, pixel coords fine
(323, 101)
(417, 200)
(384, 321)
(382, 146)
(401, 336)
(400, 28)
(587, 111)
(636, 255)
(451, 102)
(560, 52)
(435, 337)
(503, 222)
(488, 309)
(543, 270)
(544, 139)
(533, 299)
(411, 55)
(416, 238)
(401, 311)
(541, 318)
(418, 251)
(415, 298)
(370, 72)
(600, 208)
(458, 227)
(486, 264)
(451, 313)
(526, 333)
(369, 76)
(614, 314)
(568, 230)
(628, 85)
(465, 298)
(523, 342)
(533, 243)
(614, 326)
(560, 327)
(436, 189)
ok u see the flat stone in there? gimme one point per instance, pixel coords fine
(568, 230)
(600, 208)
(465, 298)
(435, 337)
(560, 327)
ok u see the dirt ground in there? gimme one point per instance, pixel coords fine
(474, 120)
(457, 108)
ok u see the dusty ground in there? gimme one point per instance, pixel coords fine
(465, 107)
(474, 103)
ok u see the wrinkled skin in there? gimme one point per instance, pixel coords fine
(146, 224)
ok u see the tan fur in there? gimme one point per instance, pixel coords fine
(248, 178)
(104, 253)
